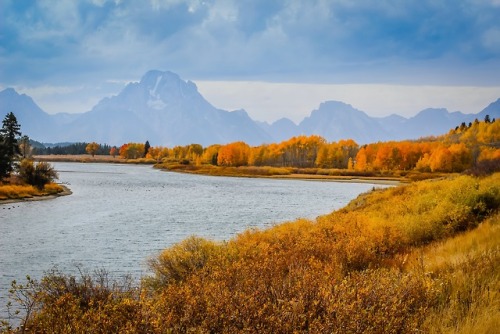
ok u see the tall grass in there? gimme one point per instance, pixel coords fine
(467, 268)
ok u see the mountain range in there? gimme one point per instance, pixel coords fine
(166, 110)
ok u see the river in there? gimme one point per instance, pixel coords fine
(120, 215)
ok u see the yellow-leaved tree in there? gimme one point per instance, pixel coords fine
(92, 148)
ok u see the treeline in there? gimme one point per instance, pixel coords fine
(465, 148)
(70, 148)
(474, 147)
(376, 266)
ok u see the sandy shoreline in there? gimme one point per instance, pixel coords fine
(346, 179)
(392, 181)
(66, 191)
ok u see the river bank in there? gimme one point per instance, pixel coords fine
(308, 174)
(372, 180)
(65, 192)
(314, 174)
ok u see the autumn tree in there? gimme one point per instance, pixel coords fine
(350, 164)
(361, 160)
(489, 153)
(336, 154)
(132, 150)
(194, 151)
(25, 147)
(234, 154)
(92, 148)
(260, 156)
(410, 153)
(123, 151)
(179, 152)
(154, 153)
(441, 160)
(210, 154)
(158, 153)
(323, 158)
(9, 146)
(113, 151)
(301, 151)
(423, 164)
(461, 157)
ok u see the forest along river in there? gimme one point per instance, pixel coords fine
(120, 215)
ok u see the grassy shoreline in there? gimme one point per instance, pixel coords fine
(26, 193)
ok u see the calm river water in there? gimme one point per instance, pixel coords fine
(119, 215)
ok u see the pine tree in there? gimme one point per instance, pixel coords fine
(9, 146)
(146, 148)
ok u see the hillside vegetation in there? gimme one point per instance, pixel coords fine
(422, 257)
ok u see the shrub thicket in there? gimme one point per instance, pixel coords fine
(38, 174)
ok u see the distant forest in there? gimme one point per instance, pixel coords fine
(66, 148)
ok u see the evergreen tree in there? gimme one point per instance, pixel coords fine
(146, 148)
(4, 160)
(9, 146)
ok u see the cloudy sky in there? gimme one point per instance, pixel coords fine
(273, 58)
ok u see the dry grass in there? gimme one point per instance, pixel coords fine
(467, 270)
(10, 192)
(242, 171)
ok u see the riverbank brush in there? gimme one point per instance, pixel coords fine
(422, 257)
